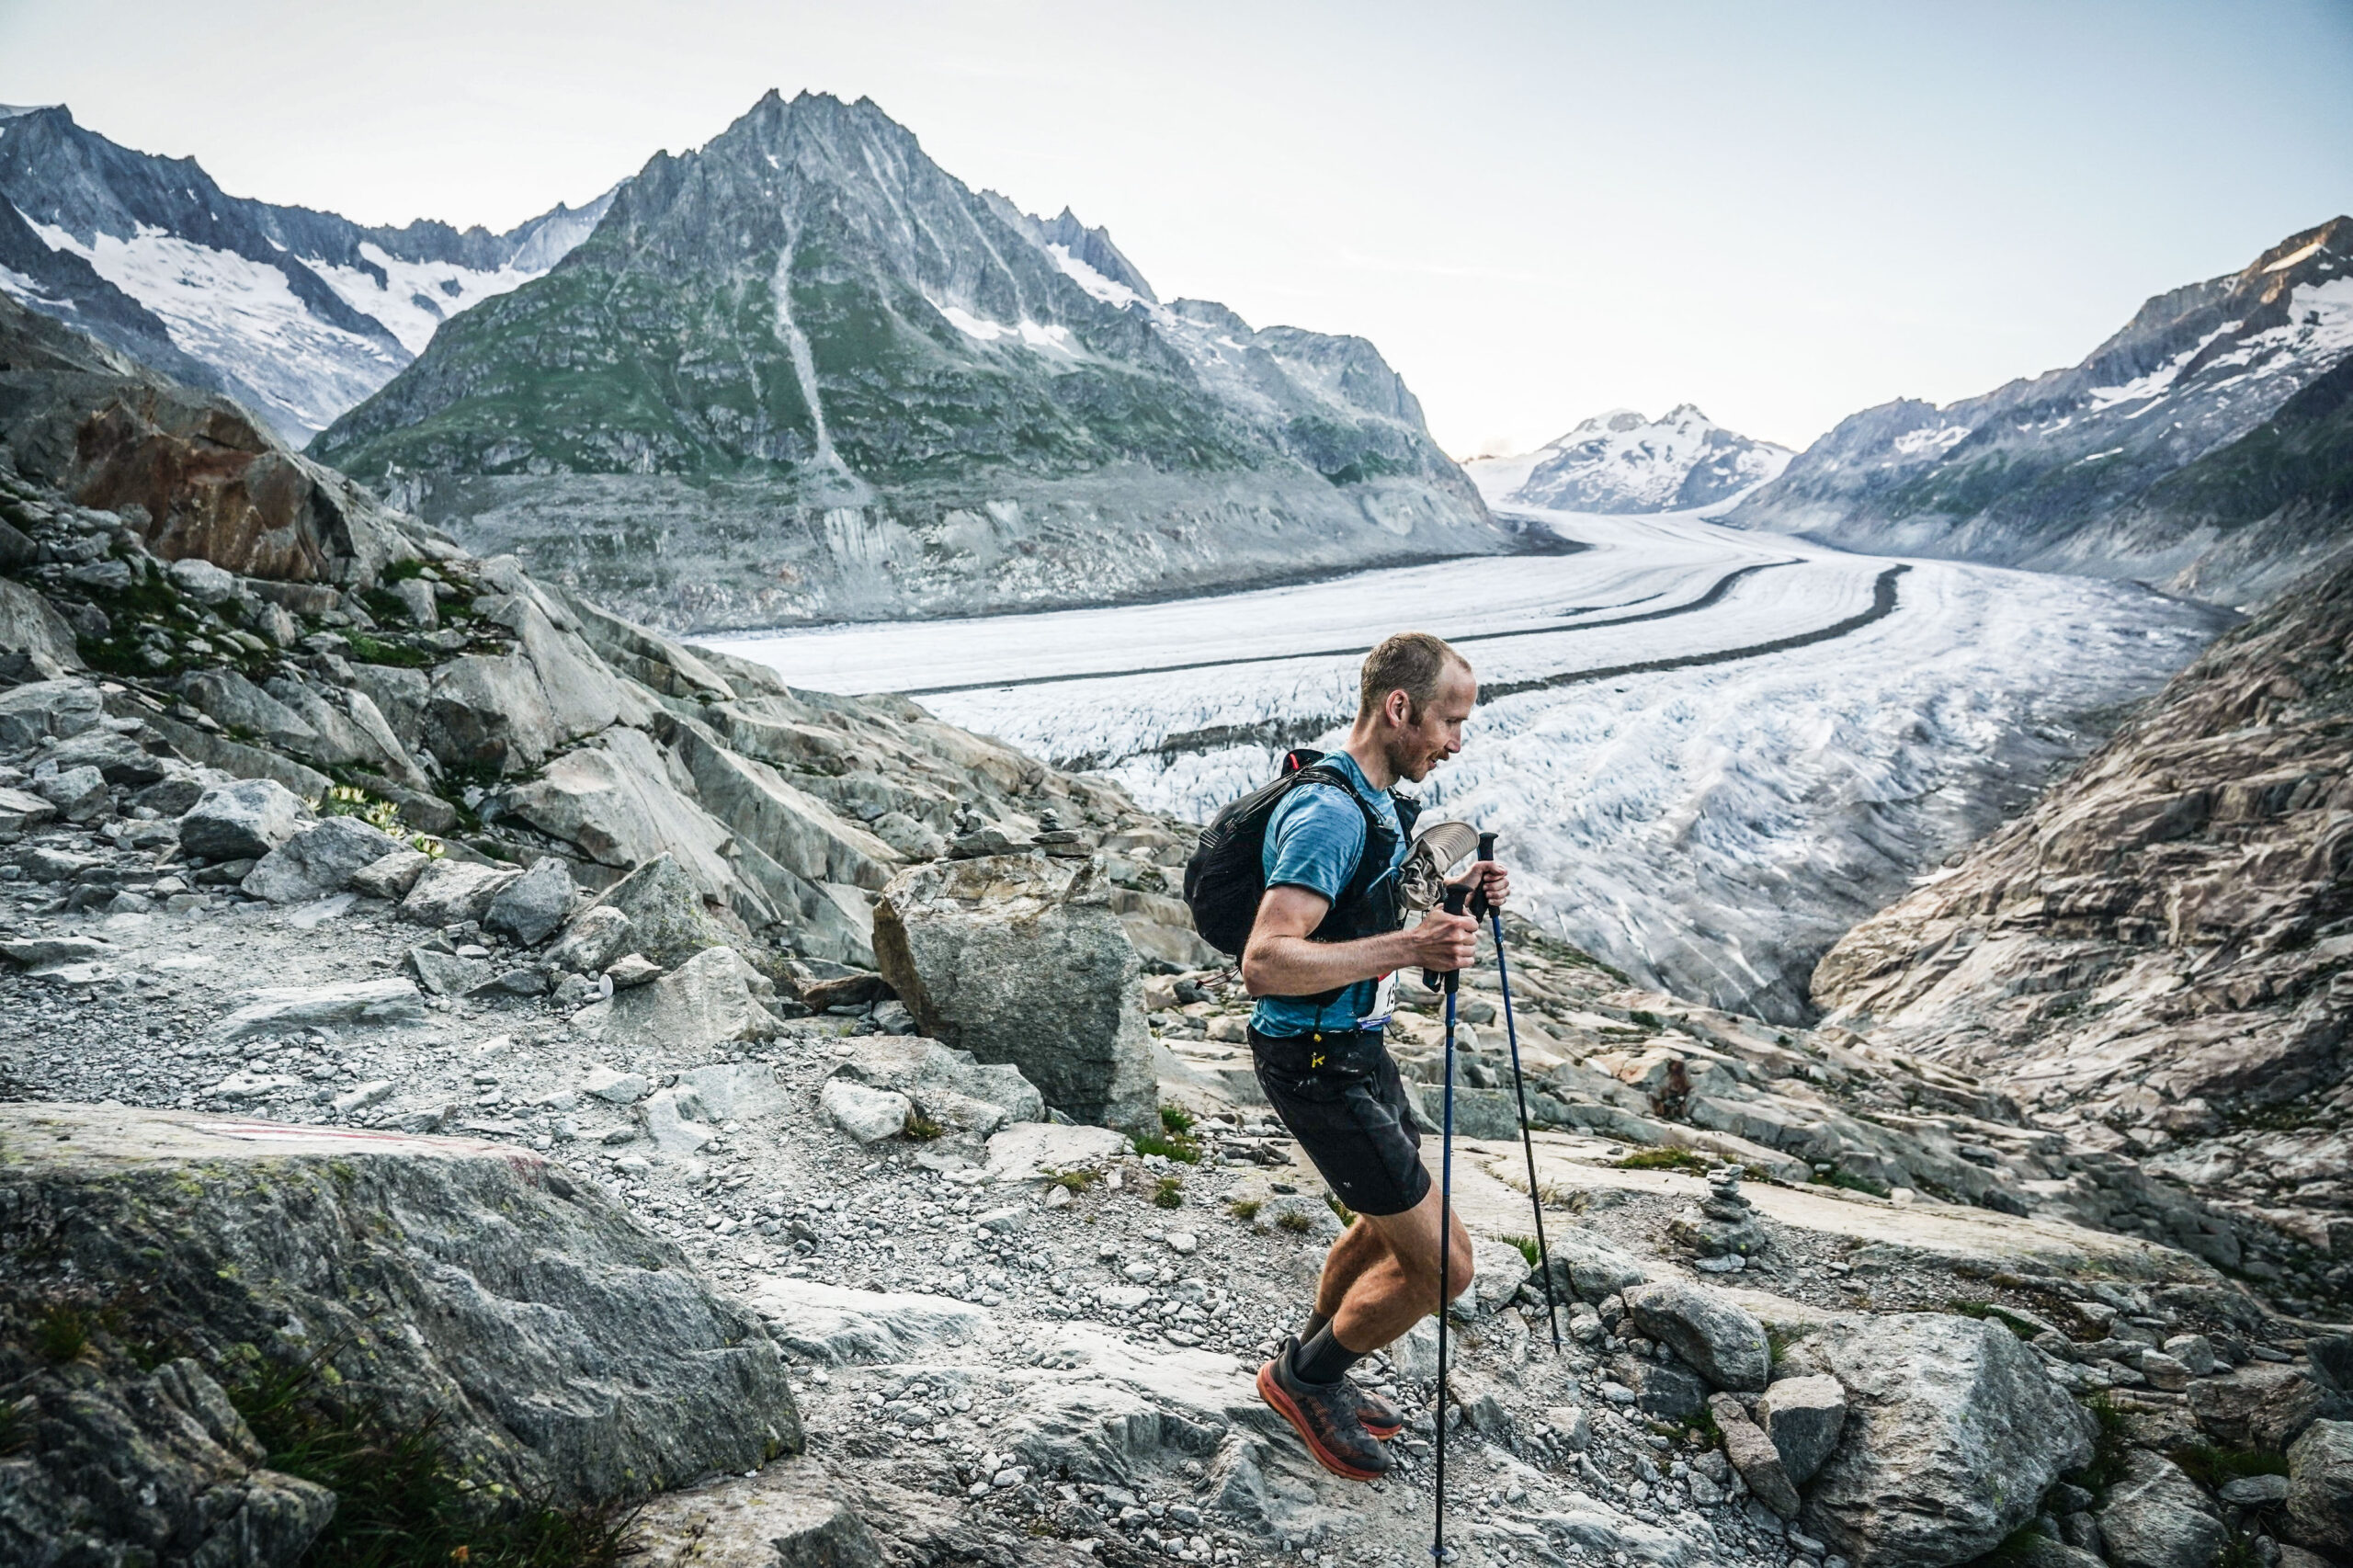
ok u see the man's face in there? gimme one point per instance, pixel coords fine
(1417, 745)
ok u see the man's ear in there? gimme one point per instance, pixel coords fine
(1398, 708)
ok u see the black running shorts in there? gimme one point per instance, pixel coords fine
(1340, 1096)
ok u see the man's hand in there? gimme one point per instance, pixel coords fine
(1487, 879)
(1442, 942)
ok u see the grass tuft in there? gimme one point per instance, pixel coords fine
(1850, 1182)
(1178, 1144)
(1527, 1248)
(398, 1503)
(381, 650)
(1667, 1158)
(920, 1129)
(1340, 1212)
(2111, 1442)
(1169, 1193)
(63, 1333)
(1297, 1223)
(1075, 1181)
(1243, 1208)
(2212, 1467)
(2018, 1546)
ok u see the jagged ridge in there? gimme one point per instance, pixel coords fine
(296, 313)
(2069, 471)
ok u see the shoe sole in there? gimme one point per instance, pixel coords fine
(1285, 1406)
(1383, 1431)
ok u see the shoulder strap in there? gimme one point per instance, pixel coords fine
(1321, 773)
(1340, 921)
(1408, 808)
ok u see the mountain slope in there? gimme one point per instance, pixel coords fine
(1619, 461)
(2160, 955)
(298, 313)
(819, 377)
(2070, 470)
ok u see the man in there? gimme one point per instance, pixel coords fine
(1322, 959)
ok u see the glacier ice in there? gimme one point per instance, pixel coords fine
(1712, 828)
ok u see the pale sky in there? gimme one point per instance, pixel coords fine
(1781, 212)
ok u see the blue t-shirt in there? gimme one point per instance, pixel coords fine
(1313, 841)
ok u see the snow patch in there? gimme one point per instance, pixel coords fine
(1108, 291)
(27, 290)
(1928, 441)
(2157, 383)
(242, 316)
(1054, 339)
(415, 297)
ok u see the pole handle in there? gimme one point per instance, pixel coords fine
(1456, 899)
(1479, 904)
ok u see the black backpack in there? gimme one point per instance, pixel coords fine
(1226, 875)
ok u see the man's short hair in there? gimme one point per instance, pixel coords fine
(1410, 662)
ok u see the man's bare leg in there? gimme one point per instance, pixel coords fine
(1396, 1288)
(1385, 1274)
(1361, 1247)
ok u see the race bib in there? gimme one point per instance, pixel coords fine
(1384, 1002)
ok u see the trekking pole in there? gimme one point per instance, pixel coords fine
(1455, 899)
(1519, 1093)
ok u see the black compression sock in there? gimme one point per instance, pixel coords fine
(1315, 1322)
(1322, 1359)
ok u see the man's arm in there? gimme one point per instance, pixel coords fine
(1280, 961)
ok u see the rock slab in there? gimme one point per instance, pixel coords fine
(1708, 1330)
(391, 1001)
(244, 821)
(2158, 1518)
(1752, 1455)
(153, 1468)
(527, 909)
(1953, 1433)
(319, 860)
(2320, 1487)
(1018, 959)
(1804, 1416)
(558, 1347)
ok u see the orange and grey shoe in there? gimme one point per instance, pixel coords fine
(1379, 1417)
(1326, 1418)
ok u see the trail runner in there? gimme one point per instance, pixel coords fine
(1323, 959)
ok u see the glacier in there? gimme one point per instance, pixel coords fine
(1711, 826)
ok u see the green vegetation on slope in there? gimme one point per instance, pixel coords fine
(585, 372)
(2302, 453)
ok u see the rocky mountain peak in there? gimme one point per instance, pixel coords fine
(810, 306)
